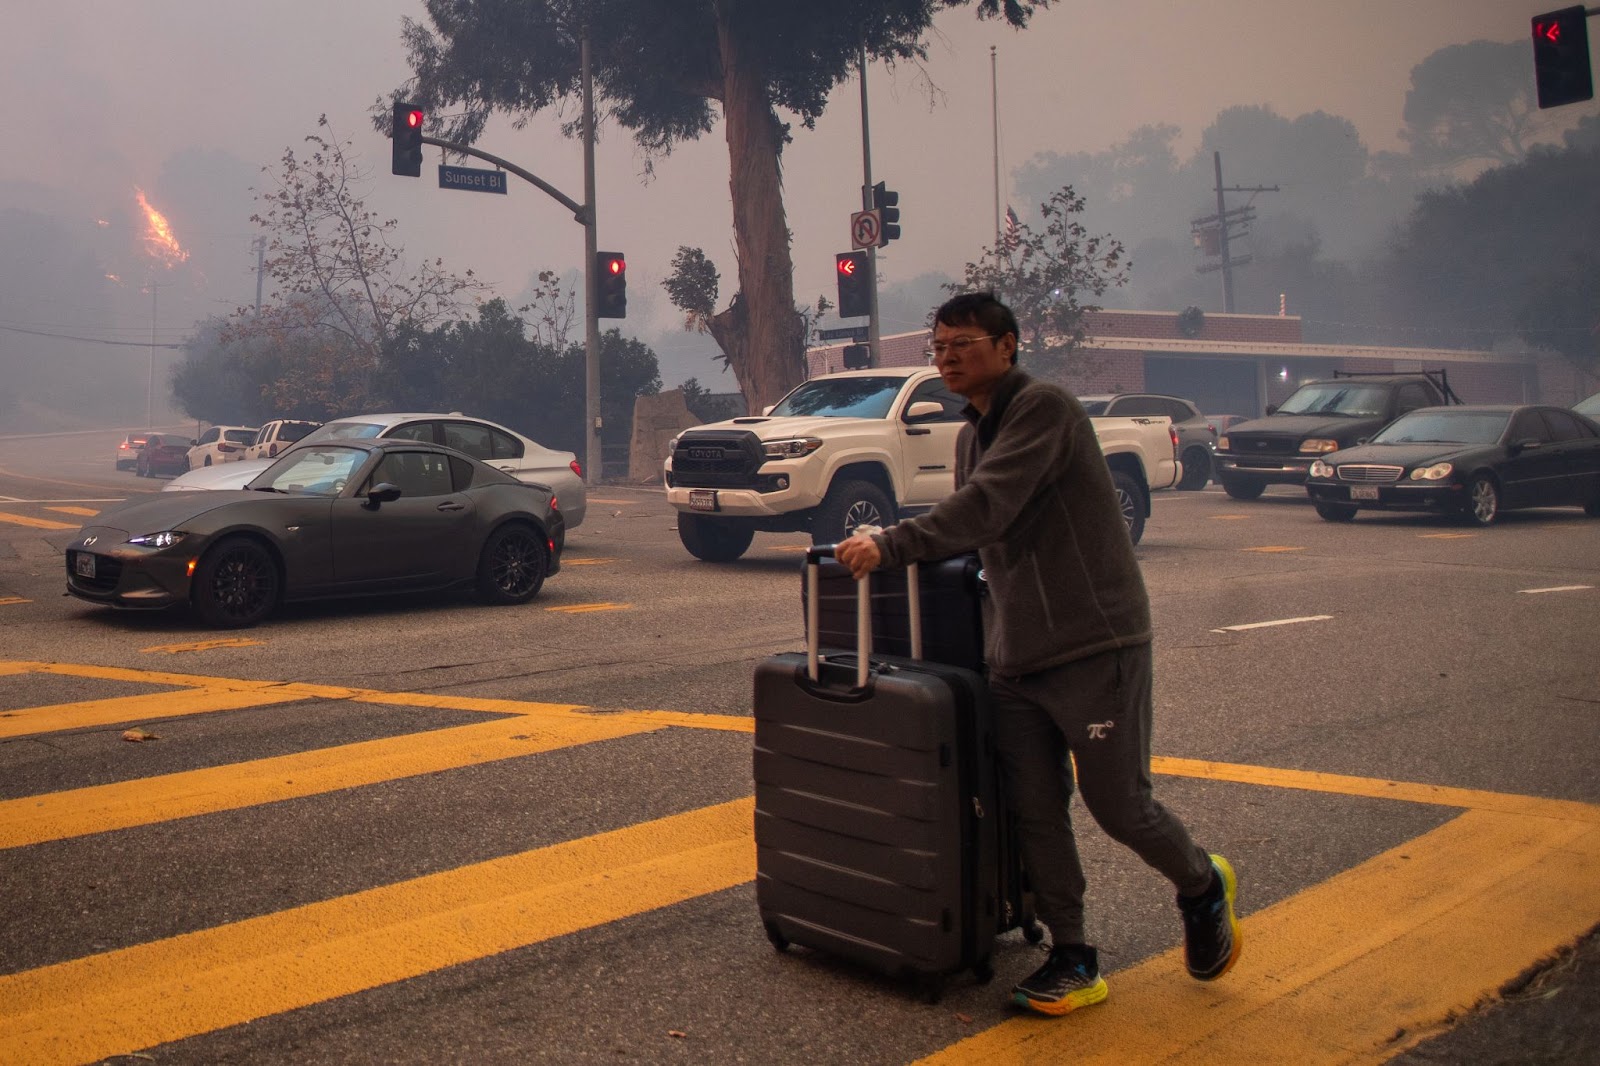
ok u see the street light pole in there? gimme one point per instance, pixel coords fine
(150, 381)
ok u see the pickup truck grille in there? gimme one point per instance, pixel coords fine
(1264, 444)
(717, 459)
(1369, 472)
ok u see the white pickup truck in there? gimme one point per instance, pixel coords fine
(863, 447)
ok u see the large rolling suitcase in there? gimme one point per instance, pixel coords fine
(879, 828)
(952, 592)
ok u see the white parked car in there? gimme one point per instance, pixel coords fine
(504, 449)
(278, 436)
(221, 444)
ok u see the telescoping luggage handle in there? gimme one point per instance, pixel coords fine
(814, 557)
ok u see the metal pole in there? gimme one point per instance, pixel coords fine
(866, 205)
(150, 382)
(1222, 239)
(592, 457)
(261, 254)
(994, 107)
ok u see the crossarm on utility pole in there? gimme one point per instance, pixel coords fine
(579, 211)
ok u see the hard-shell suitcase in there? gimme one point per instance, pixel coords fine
(878, 819)
(952, 592)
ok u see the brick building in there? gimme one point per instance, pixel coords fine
(1238, 364)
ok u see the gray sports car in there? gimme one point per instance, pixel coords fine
(346, 518)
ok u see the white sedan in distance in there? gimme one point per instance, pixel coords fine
(221, 444)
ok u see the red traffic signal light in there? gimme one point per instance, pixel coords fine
(855, 284)
(405, 141)
(611, 279)
(1561, 57)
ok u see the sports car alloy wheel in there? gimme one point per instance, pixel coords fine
(236, 584)
(512, 566)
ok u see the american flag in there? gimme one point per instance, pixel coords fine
(1011, 236)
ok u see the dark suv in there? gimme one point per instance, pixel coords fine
(1319, 417)
(1196, 436)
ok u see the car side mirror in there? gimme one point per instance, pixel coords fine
(767, 410)
(1272, 408)
(193, 442)
(382, 492)
(924, 410)
(1525, 444)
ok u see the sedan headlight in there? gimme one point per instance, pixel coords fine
(1318, 446)
(1321, 469)
(1436, 472)
(794, 448)
(165, 539)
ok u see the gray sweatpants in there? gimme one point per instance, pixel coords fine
(1099, 710)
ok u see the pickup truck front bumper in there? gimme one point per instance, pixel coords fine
(1278, 470)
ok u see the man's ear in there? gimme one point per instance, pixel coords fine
(1008, 344)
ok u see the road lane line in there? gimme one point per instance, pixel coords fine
(35, 523)
(586, 562)
(121, 1001)
(1278, 622)
(146, 801)
(1274, 548)
(1555, 588)
(31, 721)
(7, 601)
(589, 608)
(84, 511)
(205, 645)
(1445, 536)
(1403, 942)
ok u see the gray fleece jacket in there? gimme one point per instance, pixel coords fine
(1034, 498)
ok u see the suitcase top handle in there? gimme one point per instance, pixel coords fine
(814, 557)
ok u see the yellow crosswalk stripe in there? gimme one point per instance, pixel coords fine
(589, 608)
(205, 645)
(121, 1001)
(88, 714)
(1274, 548)
(585, 562)
(35, 523)
(84, 511)
(7, 601)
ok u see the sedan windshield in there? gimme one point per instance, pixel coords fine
(314, 470)
(345, 431)
(1444, 427)
(1335, 399)
(867, 397)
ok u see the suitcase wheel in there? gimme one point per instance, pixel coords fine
(984, 972)
(1033, 932)
(779, 941)
(929, 989)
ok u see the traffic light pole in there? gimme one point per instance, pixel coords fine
(867, 205)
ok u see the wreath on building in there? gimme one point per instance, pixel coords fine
(1190, 321)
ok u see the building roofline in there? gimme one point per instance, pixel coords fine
(1223, 349)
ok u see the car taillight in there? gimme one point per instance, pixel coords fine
(1172, 431)
(576, 469)
(123, 445)
(554, 505)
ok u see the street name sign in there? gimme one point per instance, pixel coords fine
(845, 333)
(472, 179)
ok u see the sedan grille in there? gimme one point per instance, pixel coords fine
(1369, 473)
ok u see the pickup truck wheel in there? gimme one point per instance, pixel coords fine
(850, 504)
(1336, 512)
(713, 541)
(1243, 488)
(1196, 469)
(1130, 500)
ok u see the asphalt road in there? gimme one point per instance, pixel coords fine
(424, 829)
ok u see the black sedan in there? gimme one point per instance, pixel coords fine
(1474, 461)
(346, 518)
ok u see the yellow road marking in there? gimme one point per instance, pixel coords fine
(597, 499)
(30, 721)
(102, 808)
(585, 562)
(206, 645)
(1445, 536)
(121, 1001)
(589, 608)
(1229, 517)
(1274, 548)
(84, 511)
(35, 523)
(7, 601)
(1400, 943)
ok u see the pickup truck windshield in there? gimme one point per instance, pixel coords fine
(1332, 399)
(1444, 427)
(868, 397)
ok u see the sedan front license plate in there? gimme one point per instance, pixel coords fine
(702, 499)
(1364, 492)
(83, 564)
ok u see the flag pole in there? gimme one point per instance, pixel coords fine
(994, 105)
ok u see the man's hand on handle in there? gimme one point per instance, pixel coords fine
(860, 553)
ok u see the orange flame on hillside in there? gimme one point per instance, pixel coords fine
(158, 238)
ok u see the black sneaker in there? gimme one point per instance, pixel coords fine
(1211, 936)
(1069, 979)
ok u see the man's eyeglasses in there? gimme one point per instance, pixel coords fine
(957, 347)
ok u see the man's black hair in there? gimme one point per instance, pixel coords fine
(980, 309)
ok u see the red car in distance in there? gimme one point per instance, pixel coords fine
(164, 453)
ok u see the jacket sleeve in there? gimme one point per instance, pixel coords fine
(1032, 445)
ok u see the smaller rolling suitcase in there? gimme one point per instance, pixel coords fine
(879, 826)
(952, 592)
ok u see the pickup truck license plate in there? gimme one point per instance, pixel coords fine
(702, 499)
(1364, 492)
(83, 564)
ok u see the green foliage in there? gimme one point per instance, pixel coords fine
(1472, 102)
(692, 286)
(706, 407)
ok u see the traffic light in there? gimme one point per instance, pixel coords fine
(406, 141)
(855, 284)
(611, 268)
(857, 357)
(1561, 57)
(884, 201)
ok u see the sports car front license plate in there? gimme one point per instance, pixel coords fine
(83, 564)
(702, 499)
(1364, 492)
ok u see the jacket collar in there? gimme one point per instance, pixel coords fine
(1010, 383)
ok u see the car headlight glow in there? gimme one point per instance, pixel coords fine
(1436, 472)
(1222, 443)
(1321, 469)
(794, 448)
(165, 539)
(1318, 446)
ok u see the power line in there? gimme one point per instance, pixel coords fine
(90, 340)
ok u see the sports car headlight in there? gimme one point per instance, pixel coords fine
(1318, 446)
(795, 448)
(1321, 469)
(165, 539)
(1436, 472)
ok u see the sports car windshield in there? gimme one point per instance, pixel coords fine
(842, 398)
(1335, 399)
(313, 471)
(1444, 427)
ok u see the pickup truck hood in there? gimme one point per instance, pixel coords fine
(1344, 427)
(768, 428)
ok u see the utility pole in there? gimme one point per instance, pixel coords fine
(867, 205)
(1217, 225)
(261, 266)
(593, 457)
(150, 381)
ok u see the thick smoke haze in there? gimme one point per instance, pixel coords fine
(189, 101)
